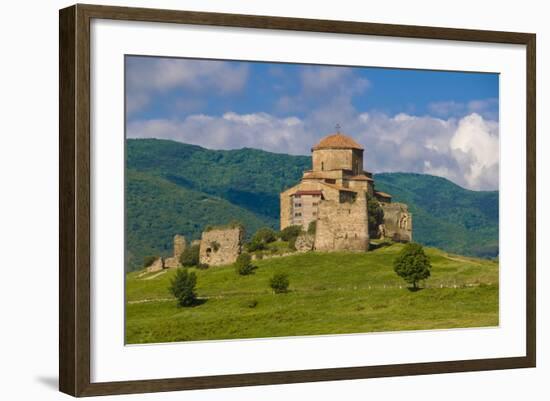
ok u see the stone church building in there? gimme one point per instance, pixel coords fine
(334, 194)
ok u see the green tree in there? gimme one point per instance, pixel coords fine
(182, 286)
(265, 235)
(255, 245)
(290, 232)
(243, 264)
(376, 214)
(190, 256)
(279, 283)
(412, 264)
(260, 239)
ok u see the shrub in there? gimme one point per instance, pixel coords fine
(265, 235)
(412, 264)
(255, 245)
(292, 244)
(190, 256)
(279, 283)
(312, 227)
(375, 213)
(203, 266)
(149, 260)
(243, 265)
(182, 286)
(290, 232)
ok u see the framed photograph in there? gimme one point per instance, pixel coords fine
(249, 200)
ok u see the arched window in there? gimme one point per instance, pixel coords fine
(323, 166)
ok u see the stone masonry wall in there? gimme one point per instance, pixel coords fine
(342, 226)
(179, 246)
(156, 266)
(397, 222)
(221, 246)
(305, 242)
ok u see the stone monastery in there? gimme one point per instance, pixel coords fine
(334, 194)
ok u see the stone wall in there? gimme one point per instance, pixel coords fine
(156, 266)
(343, 226)
(221, 246)
(338, 159)
(397, 224)
(305, 242)
(179, 245)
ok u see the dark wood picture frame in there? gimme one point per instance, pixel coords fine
(74, 199)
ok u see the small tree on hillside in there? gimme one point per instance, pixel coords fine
(190, 256)
(412, 264)
(290, 232)
(279, 283)
(243, 264)
(182, 286)
(260, 239)
(265, 235)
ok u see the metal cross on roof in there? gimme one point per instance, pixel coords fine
(337, 128)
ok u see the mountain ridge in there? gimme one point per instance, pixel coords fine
(164, 178)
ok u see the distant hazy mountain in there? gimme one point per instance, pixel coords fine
(178, 188)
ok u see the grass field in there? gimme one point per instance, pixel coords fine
(330, 293)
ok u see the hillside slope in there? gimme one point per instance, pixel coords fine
(245, 184)
(445, 215)
(330, 293)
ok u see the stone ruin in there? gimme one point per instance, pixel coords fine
(221, 245)
(304, 242)
(397, 222)
(342, 226)
(218, 246)
(156, 266)
(180, 244)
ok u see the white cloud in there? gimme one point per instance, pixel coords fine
(464, 151)
(487, 108)
(459, 143)
(478, 139)
(146, 76)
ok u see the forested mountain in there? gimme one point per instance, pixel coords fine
(173, 187)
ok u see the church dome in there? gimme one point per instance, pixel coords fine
(337, 141)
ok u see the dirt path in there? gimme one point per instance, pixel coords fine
(155, 275)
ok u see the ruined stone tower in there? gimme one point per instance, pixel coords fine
(221, 245)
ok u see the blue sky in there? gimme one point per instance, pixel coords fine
(441, 123)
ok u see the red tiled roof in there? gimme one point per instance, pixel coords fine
(382, 194)
(360, 177)
(337, 141)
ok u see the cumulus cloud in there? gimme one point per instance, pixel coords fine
(323, 89)
(230, 131)
(148, 76)
(465, 151)
(458, 141)
(488, 108)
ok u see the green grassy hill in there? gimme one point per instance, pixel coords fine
(178, 188)
(330, 293)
